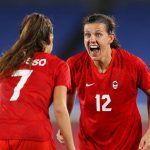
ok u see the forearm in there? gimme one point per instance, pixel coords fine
(148, 106)
(70, 100)
(63, 121)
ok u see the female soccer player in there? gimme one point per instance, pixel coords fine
(107, 79)
(30, 78)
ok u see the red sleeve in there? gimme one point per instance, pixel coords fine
(72, 73)
(63, 75)
(143, 76)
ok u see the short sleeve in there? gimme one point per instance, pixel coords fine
(72, 73)
(143, 76)
(62, 75)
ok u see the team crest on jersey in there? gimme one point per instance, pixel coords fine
(115, 85)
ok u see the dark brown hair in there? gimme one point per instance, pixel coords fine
(34, 34)
(109, 23)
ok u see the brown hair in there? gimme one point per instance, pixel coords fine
(34, 34)
(109, 23)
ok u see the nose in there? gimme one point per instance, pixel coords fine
(92, 38)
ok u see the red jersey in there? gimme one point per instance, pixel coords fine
(25, 98)
(109, 119)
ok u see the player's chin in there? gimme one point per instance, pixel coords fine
(94, 58)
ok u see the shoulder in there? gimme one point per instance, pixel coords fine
(52, 61)
(127, 56)
(130, 60)
(124, 53)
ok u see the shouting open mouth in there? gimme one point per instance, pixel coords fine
(94, 50)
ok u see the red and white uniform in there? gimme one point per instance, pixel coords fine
(109, 118)
(25, 98)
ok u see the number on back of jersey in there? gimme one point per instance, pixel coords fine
(35, 62)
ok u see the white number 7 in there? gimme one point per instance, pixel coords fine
(24, 76)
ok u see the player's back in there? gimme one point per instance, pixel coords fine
(25, 98)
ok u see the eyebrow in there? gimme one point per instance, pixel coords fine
(94, 31)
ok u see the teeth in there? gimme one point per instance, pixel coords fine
(93, 46)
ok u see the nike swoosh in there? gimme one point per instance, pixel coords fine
(87, 85)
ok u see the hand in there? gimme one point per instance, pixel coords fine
(59, 137)
(145, 141)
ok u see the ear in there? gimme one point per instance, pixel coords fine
(111, 38)
(50, 39)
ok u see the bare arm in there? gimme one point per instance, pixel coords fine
(71, 99)
(62, 116)
(70, 102)
(145, 141)
(148, 106)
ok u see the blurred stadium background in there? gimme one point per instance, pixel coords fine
(132, 17)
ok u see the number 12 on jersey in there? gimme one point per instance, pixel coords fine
(102, 107)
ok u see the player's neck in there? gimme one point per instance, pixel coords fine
(103, 64)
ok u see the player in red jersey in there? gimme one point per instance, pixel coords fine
(107, 79)
(30, 78)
